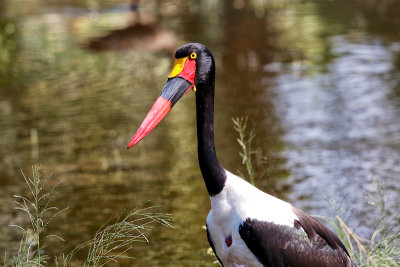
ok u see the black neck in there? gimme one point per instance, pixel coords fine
(213, 173)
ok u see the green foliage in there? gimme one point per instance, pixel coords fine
(38, 207)
(240, 125)
(24, 256)
(383, 247)
(111, 242)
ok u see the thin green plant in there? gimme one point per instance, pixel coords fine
(24, 255)
(383, 247)
(245, 142)
(112, 242)
(38, 207)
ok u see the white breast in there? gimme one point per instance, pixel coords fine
(238, 201)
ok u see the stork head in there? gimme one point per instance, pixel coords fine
(193, 67)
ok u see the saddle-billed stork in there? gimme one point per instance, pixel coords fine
(245, 227)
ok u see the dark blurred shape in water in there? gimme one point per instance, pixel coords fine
(140, 35)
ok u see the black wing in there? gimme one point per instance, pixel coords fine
(212, 245)
(277, 245)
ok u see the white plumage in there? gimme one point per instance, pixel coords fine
(238, 201)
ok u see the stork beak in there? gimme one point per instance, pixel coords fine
(180, 81)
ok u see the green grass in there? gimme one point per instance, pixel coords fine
(112, 242)
(382, 249)
(245, 140)
(37, 206)
(383, 246)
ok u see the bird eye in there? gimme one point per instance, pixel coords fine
(193, 55)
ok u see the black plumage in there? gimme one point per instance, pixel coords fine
(283, 246)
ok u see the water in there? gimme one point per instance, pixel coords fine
(345, 129)
(318, 80)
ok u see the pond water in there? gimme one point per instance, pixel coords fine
(319, 82)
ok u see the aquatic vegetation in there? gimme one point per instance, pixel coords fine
(39, 209)
(383, 247)
(240, 126)
(111, 242)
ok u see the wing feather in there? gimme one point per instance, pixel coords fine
(279, 245)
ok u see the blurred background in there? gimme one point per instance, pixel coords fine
(318, 80)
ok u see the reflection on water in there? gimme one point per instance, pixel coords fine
(342, 127)
(320, 82)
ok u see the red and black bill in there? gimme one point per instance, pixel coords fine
(180, 81)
